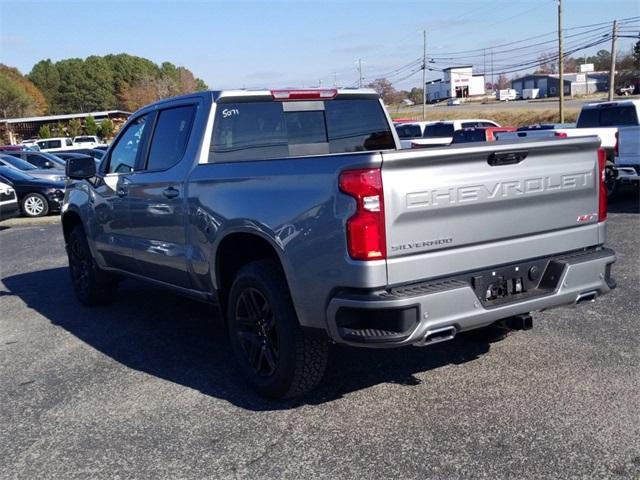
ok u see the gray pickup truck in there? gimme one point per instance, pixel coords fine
(296, 213)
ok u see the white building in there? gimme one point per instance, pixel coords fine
(458, 82)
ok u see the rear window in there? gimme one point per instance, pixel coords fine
(408, 131)
(612, 116)
(438, 130)
(263, 130)
(463, 136)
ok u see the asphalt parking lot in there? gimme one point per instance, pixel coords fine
(145, 388)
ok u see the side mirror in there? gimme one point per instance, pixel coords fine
(80, 168)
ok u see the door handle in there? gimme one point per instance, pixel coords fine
(170, 192)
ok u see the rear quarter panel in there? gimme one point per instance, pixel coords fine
(295, 205)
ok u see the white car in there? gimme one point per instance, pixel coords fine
(440, 134)
(86, 141)
(55, 144)
(408, 131)
(8, 202)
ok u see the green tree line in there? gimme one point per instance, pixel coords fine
(122, 81)
(119, 81)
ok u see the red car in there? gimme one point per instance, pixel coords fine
(479, 134)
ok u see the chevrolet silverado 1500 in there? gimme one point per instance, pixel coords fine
(297, 213)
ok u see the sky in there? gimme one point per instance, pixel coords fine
(244, 44)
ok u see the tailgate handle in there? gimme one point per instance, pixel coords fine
(506, 158)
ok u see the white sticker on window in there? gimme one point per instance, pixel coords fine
(228, 112)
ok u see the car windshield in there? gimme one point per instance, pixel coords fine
(84, 140)
(53, 159)
(17, 162)
(438, 130)
(608, 116)
(408, 131)
(13, 174)
(463, 136)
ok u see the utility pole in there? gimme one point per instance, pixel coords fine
(335, 79)
(560, 63)
(612, 72)
(484, 69)
(492, 69)
(359, 73)
(424, 75)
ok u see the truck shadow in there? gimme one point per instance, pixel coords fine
(184, 342)
(625, 200)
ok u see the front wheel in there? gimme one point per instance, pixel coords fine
(92, 286)
(275, 356)
(35, 205)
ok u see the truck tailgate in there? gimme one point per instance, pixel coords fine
(453, 209)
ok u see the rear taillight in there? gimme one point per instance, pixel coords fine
(318, 94)
(615, 147)
(366, 238)
(602, 194)
(560, 134)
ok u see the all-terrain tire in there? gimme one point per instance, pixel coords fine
(277, 358)
(91, 285)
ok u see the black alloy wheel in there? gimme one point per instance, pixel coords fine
(92, 285)
(256, 331)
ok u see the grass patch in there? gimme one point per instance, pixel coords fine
(505, 117)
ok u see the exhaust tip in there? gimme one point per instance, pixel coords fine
(437, 335)
(586, 297)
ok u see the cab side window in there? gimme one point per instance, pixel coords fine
(125, 153)
(170, 137)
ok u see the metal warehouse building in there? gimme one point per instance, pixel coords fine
(548, 85)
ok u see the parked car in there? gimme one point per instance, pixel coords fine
(627, 155)
(92, 152)
(37, 197)
(626, 91)
(8, 202)
(279, 214)
(31, 143)
(531, 134)
(55, 144)
(408, 131)
(41, 160)
(47, 174)
(86, 141)
(479, 134)
(104, 148)
(67, 155)
(440, 133)
(603, 119)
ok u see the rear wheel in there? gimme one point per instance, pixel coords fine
(92, 286)
(275, 356)
(35, 205)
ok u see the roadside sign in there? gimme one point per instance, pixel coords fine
(586, 67)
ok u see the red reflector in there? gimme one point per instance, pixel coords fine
(366, 239)
(616, 146)
(319, 94)
(560, 134)
(602, 194)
